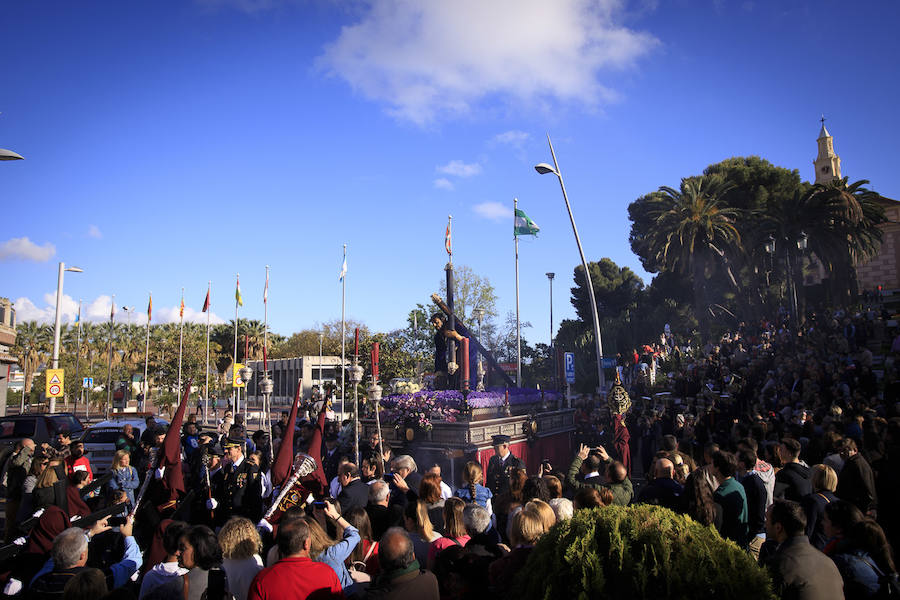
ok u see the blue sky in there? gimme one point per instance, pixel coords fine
(169, 143)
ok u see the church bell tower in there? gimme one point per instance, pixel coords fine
(827, 163)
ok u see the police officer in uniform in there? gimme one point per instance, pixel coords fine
(500, 464)
(242, 486)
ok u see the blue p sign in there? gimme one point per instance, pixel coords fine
(570, 367)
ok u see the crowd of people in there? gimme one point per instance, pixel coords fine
(783, 441)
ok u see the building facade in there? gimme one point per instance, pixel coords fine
(286, 372)
(7, 341)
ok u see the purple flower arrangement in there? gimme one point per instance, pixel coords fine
(421, 408)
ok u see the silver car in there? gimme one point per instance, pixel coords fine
(100, 440)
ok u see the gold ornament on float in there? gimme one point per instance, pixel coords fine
(618, 401)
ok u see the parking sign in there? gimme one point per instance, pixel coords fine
(570, 367)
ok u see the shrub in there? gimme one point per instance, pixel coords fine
(639, 551)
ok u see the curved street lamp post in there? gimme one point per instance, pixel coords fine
(543, 169)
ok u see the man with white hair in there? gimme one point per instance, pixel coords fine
(382, 515)
(69, 556)
(562, 508)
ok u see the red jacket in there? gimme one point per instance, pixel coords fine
(79, 464)
(296, 578)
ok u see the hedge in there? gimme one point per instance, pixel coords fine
(635, 552)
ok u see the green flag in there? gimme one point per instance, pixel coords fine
(524, 225)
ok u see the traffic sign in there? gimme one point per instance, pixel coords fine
(55, 383)
(570, 367)
(236, 381)
(87, 382)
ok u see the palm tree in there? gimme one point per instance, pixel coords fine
(33, 343)
(693, 227)
(860, 212)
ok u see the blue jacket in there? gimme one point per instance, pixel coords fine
(334, 556)
(125, 479)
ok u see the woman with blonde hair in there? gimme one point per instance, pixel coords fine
(544, 510)
(824, 481)
(455, 533)
(241, 545)
(472, 490)
(124, 476)
(418, 525)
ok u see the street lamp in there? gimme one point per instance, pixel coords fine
(543, 169)
(59, 288)
(10, 155)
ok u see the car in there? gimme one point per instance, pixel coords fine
(100, 439)
(42, 428)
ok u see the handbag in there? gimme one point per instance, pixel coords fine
(358, 568)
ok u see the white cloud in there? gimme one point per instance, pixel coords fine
(94, 232)
(514, 138)
(495, 211)
(427, 59)
(97, 310)
(443, 183)
(24, 249)
(460, 169)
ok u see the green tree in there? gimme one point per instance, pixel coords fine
(470, 291)
(615, 289)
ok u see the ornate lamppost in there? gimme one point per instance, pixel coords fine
(267, 386)
(246, 373)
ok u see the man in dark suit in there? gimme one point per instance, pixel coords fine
(500, 464)
(798, 569)
(354, 492)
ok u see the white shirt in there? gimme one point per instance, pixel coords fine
(162, 574)
(446, 492)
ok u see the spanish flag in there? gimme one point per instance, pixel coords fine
(237, 293)
(181, 310)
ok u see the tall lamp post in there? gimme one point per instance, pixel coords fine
(543, 169)
(59, 288)
(550, 277)
(129, 310)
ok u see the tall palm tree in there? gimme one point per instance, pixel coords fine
(857, 214)
(693, 228)
(33, 344)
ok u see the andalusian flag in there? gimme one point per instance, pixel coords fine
(448, 246)
(237, 293)
(523, 225)
(150, 309)
(343, 266)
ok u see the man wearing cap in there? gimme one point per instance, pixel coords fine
(242, 487)
(500, 464)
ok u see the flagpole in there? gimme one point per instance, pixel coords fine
(112, 318)
(180, 340)
(518, 324)
(147, 353)
(343, 333)
(206, 389)
(234, 358)
(267, 408)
